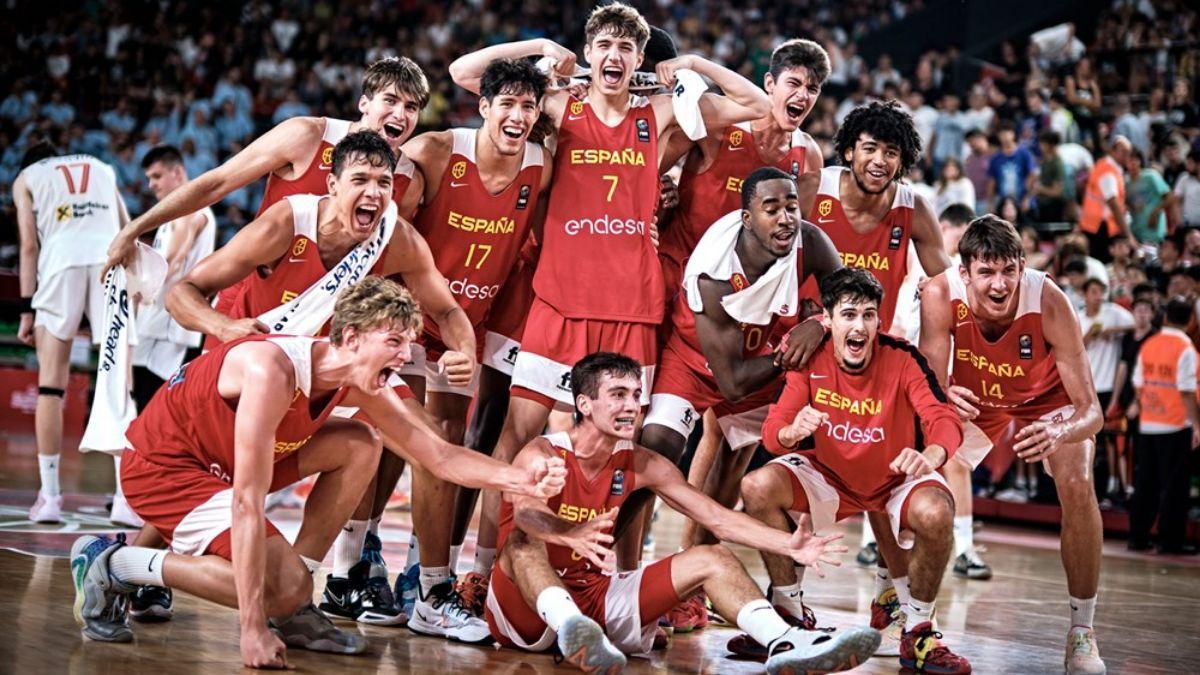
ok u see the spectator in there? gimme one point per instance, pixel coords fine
(1103, 325)
(948, 132)
(1103, 214)
(1122, 404)
(59, 111)
(924, 116)
(1182, 111)
(1129, 125)
(119, 120)
(1083, 95)
(978, 115)
(1187, 193)
(1149, 199)
(1125, 272)
(975, 167)
(290, 107)
(1011, 170)
(1169, 427)
(1051, 181)
(884, 73)
(1035, 120)
(232, 126)
(953, 187)
(230, 87)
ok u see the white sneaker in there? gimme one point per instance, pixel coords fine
(122, 513)
(582, 642)
(46, 509)
(889, 642)
(441, 614)
(1083, 656)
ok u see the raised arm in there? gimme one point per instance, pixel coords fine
(927, 238)
(742, 100)
(467, 70)
(721, 340)
(27, 232)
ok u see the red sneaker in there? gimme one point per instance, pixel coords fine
(699, 607)
(921, 651)
(472, 592)
(885, 609)
(681, 618)
(745, 647)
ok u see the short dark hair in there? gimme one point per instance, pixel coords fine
(885, 122)
(990, 237)
(1093, 281)
(363, 145)
(1143, 300)
(1143, 288)
(512, 77)
(750, 184)
(37, 152)
(167, 154)
(798, 53)
(957, 214)
(851, 284)
(587, 372)
(1179, 311)
(1075, 266)
(400, 71)
(660, 47)
(1006, 125)
(1050, 137)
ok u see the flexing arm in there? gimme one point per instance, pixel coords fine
(742, 100)
(721, 340)
(272, 151)
(430, 152)
(27, 231)
(259, 243)
(927, 238)
(467, 70)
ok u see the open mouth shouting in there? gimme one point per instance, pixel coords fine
(624, 423)
(783, 237)
(997, 300)
(795, 113)
(856, 349)
(365, 216)
(393, 131)
(611, 75)
(513, 132)
(385, 375)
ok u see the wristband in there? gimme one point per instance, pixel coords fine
(26, 305)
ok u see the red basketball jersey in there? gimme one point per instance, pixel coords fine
(581, 499)
(883, 250)
(1017, 367)
(188, 423)
(475, 236)
(597, 258)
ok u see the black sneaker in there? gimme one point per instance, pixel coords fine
(151, 604)
(361, 598)
(867, 555)
(969, 566)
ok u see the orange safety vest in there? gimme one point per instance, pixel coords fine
(1160, 398)
(1095, 206)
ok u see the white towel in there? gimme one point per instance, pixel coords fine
(308, 312)
(685, 101)
(113, 408)
(775, 293)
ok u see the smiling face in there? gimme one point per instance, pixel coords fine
(390, 113)
(613, 60)
(992, 286)
(853, 325)
(615, 408)
(874, 164)
(773, 218)
(376, 355)
(793, 94)
(361, 194)
(508, 119)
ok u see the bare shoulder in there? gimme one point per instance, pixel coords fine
(428, 145)
(260, 361)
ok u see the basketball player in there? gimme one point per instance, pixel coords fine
(551, 584)
(252, 414)
(68, 210)
(856, 399)
(1019, 359)
(598, 211)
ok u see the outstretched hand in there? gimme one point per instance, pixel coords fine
(592, 540)
(812, 550)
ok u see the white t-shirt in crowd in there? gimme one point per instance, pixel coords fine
(1104, 352)
(1187, 188)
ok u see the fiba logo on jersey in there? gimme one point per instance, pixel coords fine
(735, 138)
(1025, 344)
(795, 169)
(897, 235)
(299, 247)
(643, 130)
(825, 207)
(618, 483)
(327, 155)
(961, 312)
(523, 197)
(458, 170)
(576, 107)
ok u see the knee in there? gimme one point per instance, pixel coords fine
(288, 589)
(931, 513)
(664, 441)
(758, 489)
(1075, 487)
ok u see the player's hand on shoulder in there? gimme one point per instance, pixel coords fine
(564, 59)
(1038, 440)
(799, 346)
(458, 367)
(547, 476)
(593, 540)
(964, 401)
(812, 550)
(240, 328)
(262, 649)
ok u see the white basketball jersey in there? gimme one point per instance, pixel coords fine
(75, 202)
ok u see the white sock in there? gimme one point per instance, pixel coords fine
(1083, 612)
(883, 580)
(432, 576)
(555, 606)
(799, 570)
(48, 470)
(137, 565)
(901, 584)
(373, 525)
(868, 534)
(454, 553)
(916, 612)
(347, 548)
(313, 566)
(790, 598)
(414, 551)
(964, 534)
(485, 558)
(118, 494)
(760, 621)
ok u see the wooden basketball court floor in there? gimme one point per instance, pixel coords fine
(1147, 622)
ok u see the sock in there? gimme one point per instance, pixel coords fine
(790, 598)
(883, 581)
(313, 566)
(964, 534)
(901, 585)
(917, 611)
(454, 553)
(347, 548)
(761, 622)
(432, 576)
(373, 525)
(484, 559)
(48, 470)
(414, 549)
(799, 570)
(1083, 612)
(868, 534)
(137, 565)
(118, 495)
(555, 606)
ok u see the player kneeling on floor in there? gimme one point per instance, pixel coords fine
(555, 585)
(856, 399)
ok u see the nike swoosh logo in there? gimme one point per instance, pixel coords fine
(824, 221)
(150, 565)
(817, 377)
(455, 185)
(733, 149)
(295, 259)
(961, 323)
(574, 117)
(325, 167)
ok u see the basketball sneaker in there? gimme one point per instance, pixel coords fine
(441, 614)
(46, 509)
(921, 651)
(373, 553)
(408, 586)
(582, 643)
(361, 597)
(745, 647)
(472, 592)
(1083, 656)
(969, 565)
(151, 604)
(689, 615)
(101, 607)
(310, 629)
(867, 555)
(884, 609)
(801, 651)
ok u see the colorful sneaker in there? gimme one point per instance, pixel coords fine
(441, 614)
(373, 553)
(884, 609)
(472, 591)
(868, 555)
(101, 607)
(921, 651)
(890, 637)
(1083, 656)
(582, 643)
(745, 647)
(361, 597)
(151, 604)
(408, 586)
(310, 629)
(801, 651)
(969, 565)
(46, 509)
(687, 615)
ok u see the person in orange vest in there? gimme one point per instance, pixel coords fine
(1104, 200)
(1165, 381)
